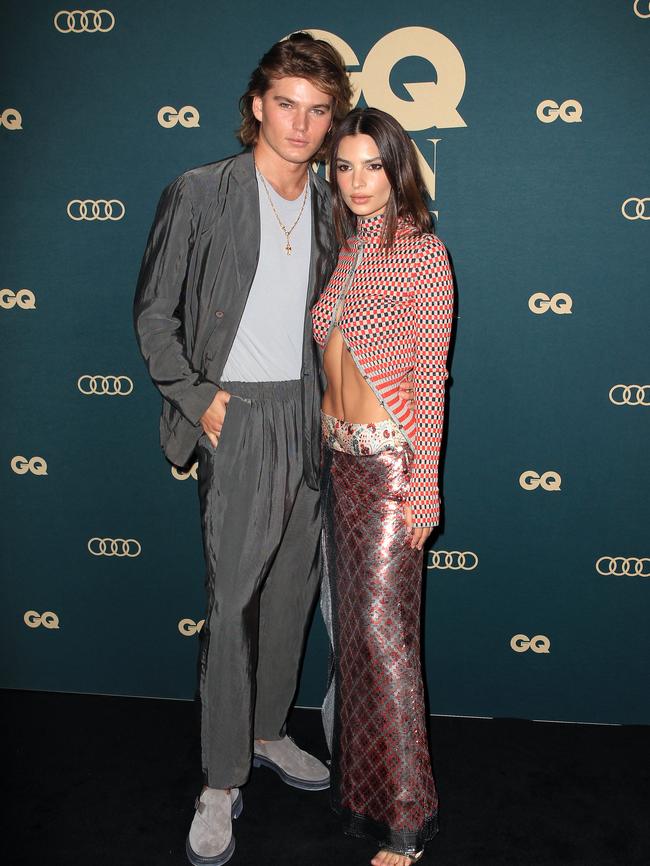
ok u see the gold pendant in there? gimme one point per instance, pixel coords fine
(287, 249)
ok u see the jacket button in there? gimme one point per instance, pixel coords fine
(219, 314)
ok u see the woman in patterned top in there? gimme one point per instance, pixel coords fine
(385, 314)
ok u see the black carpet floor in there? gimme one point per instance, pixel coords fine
(107, 781)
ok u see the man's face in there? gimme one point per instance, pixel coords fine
(294, 118)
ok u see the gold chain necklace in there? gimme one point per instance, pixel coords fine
(287, 232)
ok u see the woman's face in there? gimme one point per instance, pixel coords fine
(360, 175)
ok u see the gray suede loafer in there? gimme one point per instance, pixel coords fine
(293, 766)
(210, 841)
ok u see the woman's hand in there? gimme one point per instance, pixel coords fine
(213, 417)
(418, 535)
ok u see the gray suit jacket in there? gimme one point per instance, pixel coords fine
(196, 273)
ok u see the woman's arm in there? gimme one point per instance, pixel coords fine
(434, 301)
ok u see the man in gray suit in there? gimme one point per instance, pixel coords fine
(237, 255)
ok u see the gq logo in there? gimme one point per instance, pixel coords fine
(23, 298)
(112, 386)
(570, 111)
(538, 644)
(21, 465)
(624, 565)
(540, 303)
(431, 103)
(630, 395)
(92, 210)
(90, 21)
(187, 116)
(188, 627)
(114, 547)
(179, 475)
(530, 480)
(48, 619)
(453, 559)
(11, 119)
(641, 211)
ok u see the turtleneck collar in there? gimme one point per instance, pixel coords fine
(370, 228)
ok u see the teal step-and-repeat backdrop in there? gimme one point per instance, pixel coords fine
(532, 130)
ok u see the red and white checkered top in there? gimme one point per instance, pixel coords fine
(395, 316)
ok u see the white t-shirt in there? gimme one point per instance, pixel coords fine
(268, 345)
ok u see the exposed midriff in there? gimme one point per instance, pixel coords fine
(348, 395)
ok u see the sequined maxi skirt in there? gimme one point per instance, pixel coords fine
(374, 715)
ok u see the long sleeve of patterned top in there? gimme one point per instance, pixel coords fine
(434, 301)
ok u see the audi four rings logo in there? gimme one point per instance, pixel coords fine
(21, 465)
(179, 475)
(637, 566)
(100, 209)
(23, 298)
(635, 208)
(538, 644)
(561, 303)
(453, 559)
(637, 9)
(570, 111)
(630, 395)
(11, 119)
(188, 627)
(84, 21)
(530, 480)
(188, 116)
(114, 547)
(48, 619)
(113, 386)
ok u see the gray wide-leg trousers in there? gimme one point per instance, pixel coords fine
(261, 531)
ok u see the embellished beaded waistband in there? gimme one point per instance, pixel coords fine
(361, 439)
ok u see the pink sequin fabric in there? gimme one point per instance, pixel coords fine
(382, 782)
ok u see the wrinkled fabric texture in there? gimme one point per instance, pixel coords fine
(195, 278)
(374, 714)
(261, 527)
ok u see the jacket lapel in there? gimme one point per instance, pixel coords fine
(244, 217)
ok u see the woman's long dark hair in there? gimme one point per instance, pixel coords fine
(398, 157)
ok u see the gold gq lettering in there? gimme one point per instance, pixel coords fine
(188, 627)
(21, 465)
(179, 475)
(23, 298)
(48, 619)
(530, 480)
(187, 116)
(432, 104)
(570, 111)
(538, 644)
(11, 119)
(560, 303)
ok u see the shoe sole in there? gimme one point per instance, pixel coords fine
(303, 784)
(224, 857)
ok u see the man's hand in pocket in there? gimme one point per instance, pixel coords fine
(214, 416)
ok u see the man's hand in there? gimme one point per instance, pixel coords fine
(406, 389)
(213, 417)
(418, 535)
